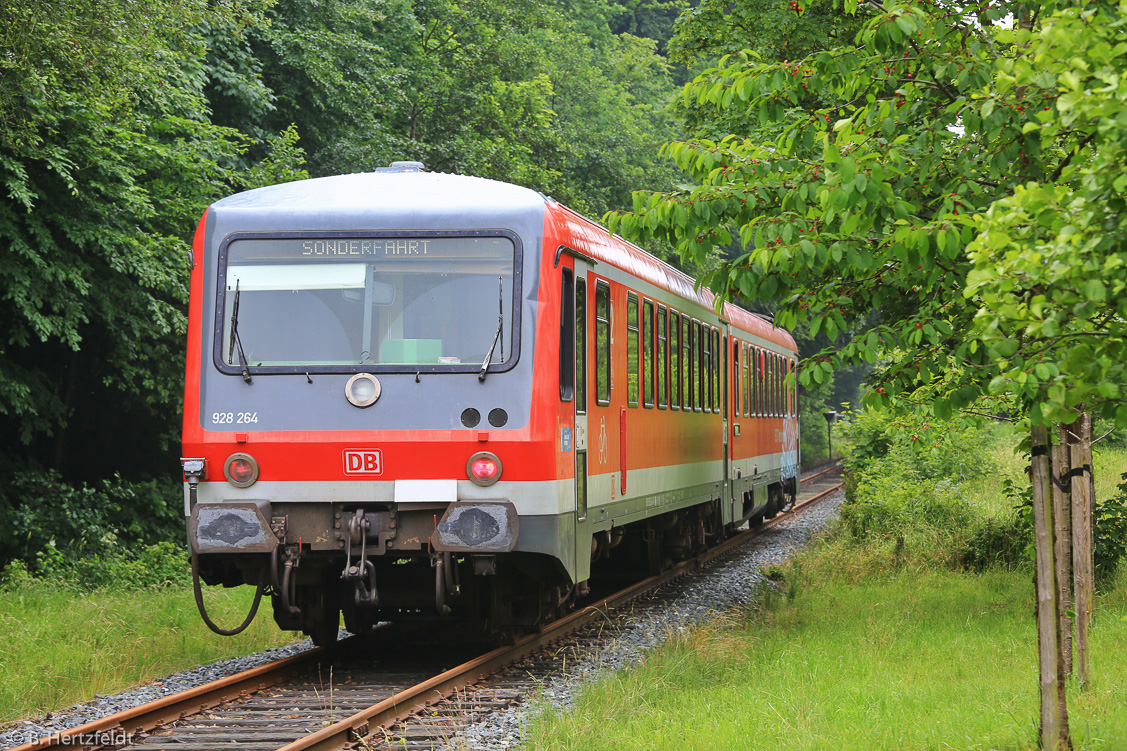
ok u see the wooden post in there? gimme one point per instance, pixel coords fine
(1054, 712)
(1062, 517)
(1083, 584)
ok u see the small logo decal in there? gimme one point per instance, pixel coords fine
(565, 439)
(363, 462)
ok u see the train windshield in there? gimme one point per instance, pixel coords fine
(368, 301)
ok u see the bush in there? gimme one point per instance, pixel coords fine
(905, 472)
(1010, 542)
(116, 567)
(1109, 534)
(41, 516)
(117, 533)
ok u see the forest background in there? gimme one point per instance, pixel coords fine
(121, 121)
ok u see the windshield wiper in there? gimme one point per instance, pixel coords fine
(500, 330)
(235, 337)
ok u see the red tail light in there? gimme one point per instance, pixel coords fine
(483, 468)
(241, 470)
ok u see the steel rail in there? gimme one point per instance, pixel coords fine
(146, 717)
(179, 706)
(821, 472)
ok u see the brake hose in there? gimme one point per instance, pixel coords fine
(203, 610)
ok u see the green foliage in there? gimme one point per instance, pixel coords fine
(1109, 535)
(112, 566)
(907, 480)
(115, 534)
(117, 129)
(108, 158)
(949, 169)
(773, 30)
(51, 525)
(997, 543)
(920, 448)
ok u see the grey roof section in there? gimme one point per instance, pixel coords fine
(400, 194)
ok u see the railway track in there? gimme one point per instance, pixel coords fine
(420, 696)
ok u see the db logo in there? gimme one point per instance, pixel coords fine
(363, 462)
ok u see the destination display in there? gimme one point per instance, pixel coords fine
(371, 248)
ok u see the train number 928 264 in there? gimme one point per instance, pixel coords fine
(233, 418)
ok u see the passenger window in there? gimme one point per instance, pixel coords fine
(706, 370)
(698, 376)
(770, 383)
(717, 368)
(632, 364)
(648, 353)
(773, 383)
(687, 358)
(757, 381)
(675, 359)
(602, 343)
(790, 389)
(747, 381)
(736, 377)
(662, 357)
(580, 346)
(778, 386)
(567, 337)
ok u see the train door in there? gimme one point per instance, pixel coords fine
(722, 346)
(583, 328)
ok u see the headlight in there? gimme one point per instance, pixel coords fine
(362, 390)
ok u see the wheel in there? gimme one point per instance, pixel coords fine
(357, 620)
(320, 615)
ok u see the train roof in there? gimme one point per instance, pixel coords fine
(389, 190)
(350, 201)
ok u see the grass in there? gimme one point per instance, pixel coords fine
(61, 647)
(865, 645)
(905, 661)
(985, 492)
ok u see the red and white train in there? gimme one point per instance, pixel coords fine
(417, 395)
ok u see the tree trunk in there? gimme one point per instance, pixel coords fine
(1062, 516)
(1054, 709)
(1081, 452)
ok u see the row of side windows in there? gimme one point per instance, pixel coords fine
(760, 382)
(672, 360)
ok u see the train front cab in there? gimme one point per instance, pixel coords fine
(368, 441)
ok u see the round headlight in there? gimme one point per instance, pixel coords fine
(241, 470)
(483, 468)
(362, 390)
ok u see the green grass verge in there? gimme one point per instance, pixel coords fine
(872, 643)
(907, 660)
(61, 647)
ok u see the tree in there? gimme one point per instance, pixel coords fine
(953, 179)
(108, 158)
